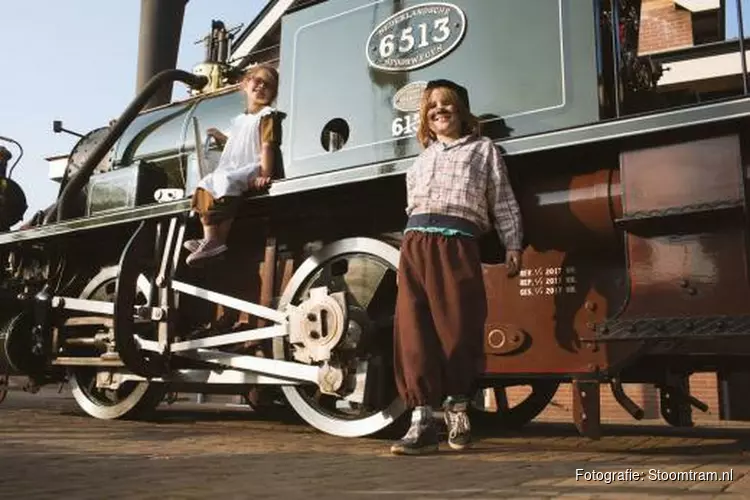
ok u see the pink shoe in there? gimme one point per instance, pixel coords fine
(192, 245)
(208, 249)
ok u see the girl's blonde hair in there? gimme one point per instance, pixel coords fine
(469, 122)
(274, 84)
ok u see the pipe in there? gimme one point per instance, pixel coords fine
(78, 181)
(685, 396)
(20, 149)
(627, 404)
(158, 44)
(4, 157)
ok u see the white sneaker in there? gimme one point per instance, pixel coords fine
(192, 245)
(207, 250)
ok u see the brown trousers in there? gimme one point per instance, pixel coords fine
(441, 310)
(214, 211)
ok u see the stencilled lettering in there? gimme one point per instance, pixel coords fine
(547, 281)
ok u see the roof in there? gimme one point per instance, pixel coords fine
(250, 27)
(263, 23)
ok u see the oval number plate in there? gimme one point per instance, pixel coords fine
(416, 37)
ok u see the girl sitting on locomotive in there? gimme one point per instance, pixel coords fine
(246, 163)
(454, 189)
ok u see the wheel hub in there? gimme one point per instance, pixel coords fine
(317, 325)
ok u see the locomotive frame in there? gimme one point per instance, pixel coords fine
(612, 197)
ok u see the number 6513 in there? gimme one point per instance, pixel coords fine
(440, 33)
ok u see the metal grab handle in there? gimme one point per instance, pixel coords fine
(207, 143)
(201, 148)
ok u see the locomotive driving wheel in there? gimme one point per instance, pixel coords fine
(517, 410)
(129, 399)
(363, 271)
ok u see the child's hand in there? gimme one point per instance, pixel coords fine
(216, 135)
(513, 261)
(260, 182)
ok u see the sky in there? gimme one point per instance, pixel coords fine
(76, 61)
(731, 18)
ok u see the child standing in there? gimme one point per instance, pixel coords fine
(452, 188)
(246, 162)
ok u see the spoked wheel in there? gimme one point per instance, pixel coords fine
(365, 269)
(130, 399)
(512, 407)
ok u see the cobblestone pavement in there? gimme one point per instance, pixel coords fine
(50, 449)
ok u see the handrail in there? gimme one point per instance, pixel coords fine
(79, 180)
(741, 34)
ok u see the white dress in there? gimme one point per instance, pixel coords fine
(240, 160)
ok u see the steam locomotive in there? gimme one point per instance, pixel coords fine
(635, 265)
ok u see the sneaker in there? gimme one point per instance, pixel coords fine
(207, 250)
(192, 245)
(421, 438)
(457, 422)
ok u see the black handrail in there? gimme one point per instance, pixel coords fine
(741, 27)
(615, 23)
(79, 180)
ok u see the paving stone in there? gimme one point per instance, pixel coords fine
(51, 450)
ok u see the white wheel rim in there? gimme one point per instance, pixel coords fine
(105, 412)
(323, 422)
(81, 396)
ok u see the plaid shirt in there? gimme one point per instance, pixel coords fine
(467, 179)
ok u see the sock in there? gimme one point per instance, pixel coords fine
(421, 415)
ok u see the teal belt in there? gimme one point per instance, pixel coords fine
(440, 230)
